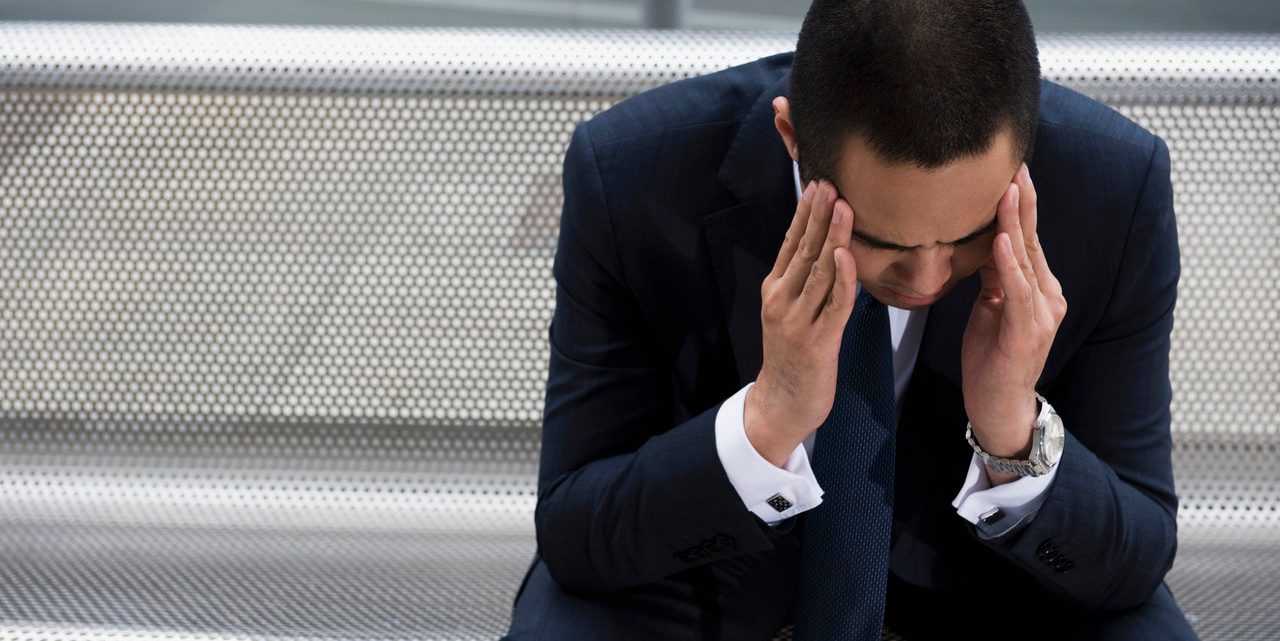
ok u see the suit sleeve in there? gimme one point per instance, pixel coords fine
(625, 495)
(1106, 533)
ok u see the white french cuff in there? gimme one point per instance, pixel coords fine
(1015, 498)
(763, 486)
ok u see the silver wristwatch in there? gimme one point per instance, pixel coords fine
(1046, 445)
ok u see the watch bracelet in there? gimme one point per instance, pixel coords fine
(1021, 467)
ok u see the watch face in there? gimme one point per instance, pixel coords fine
(1053, 438)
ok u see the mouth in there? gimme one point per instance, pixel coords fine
(917, 301)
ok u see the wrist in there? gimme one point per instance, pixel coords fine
(1005, 448)
(1036, 457)
(756, 423)
(1011, 439)
(999, 477)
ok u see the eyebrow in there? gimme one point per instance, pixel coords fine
(884, 244)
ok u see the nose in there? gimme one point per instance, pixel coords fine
(927, 273)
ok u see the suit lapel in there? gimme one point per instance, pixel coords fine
(744, 239)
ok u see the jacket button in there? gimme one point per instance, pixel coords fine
(725, 542)
(683, 555)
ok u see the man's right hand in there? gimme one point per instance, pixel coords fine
(803, 317)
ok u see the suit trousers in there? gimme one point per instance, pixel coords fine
(750, 597)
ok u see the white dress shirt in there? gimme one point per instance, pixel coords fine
(757, 480)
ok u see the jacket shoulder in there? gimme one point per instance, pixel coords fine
(1074, 112)
(722, 96)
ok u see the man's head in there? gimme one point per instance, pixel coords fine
(920, 112)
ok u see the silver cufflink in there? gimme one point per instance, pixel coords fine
(991, 516)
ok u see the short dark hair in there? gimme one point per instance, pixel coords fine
(923, 81)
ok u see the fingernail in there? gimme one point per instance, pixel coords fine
(837, 215)
(1015, 196)
(808, 192)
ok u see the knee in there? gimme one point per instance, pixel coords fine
(1159, 618)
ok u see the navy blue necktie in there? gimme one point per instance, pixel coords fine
(844, 557)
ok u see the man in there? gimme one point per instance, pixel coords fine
(716, 233)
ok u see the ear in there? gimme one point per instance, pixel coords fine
(782, 120)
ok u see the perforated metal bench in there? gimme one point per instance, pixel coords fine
(274, 310)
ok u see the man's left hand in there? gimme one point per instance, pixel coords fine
(1010, 330)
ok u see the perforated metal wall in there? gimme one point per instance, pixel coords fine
(274, 309)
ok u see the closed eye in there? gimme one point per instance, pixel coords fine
(902, 250)
(875, 243)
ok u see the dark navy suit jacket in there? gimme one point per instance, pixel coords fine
(676, 202)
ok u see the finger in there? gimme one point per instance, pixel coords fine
(990, 274)
(839, 303)
(811, 242)
(1045, 279)
(822, 274)
(1026, 200)
(845, 291)
(1019, 298)
(1012, 224)
(794, 232)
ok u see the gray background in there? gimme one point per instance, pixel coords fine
(1047, 15)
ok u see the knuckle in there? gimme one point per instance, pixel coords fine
(810, 249)
(812, 285)
(817, 271)
(769, 303)
(772, 315)
(807, 288)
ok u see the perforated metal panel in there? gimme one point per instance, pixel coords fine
(274, 309)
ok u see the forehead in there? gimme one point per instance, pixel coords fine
(908, 205)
